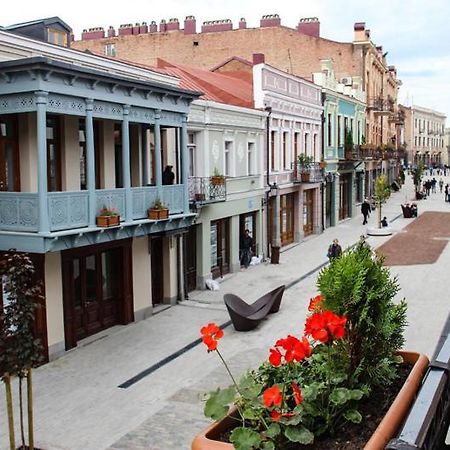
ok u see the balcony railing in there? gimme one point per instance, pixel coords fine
(311, 174)
(19, 211)
(380, 105)
(205, 190)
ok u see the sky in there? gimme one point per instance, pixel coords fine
(411, 31)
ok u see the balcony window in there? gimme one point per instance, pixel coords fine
(272, 149)
(329, 131)
(9, 154)
(191, 151)
(110, 50)
(285, 150)
(53, 153)
(339, 123)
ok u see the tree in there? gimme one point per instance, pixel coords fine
(348, 145)
(417, 176)
(20, 351)
(381, 194)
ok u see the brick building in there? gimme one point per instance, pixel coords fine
(302, 50)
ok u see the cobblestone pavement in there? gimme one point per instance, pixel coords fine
(79, 406)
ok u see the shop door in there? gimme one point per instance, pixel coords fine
(190, 258)
(343, 197)
(94, 291)
(248, 222)
(9, 154)
(157, 270)
(287, 219)
(308, 212)
(220, 243)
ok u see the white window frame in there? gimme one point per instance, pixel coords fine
(228, 157)
(251, 160)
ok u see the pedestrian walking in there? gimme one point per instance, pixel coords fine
(433, 185)
(365, 210)
(246, 245)
(441, 184)
(334, 250)
(446, 192)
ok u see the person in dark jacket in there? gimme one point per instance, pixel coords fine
(246, 245)
(168, 176)
(334, 250)
(365, 210)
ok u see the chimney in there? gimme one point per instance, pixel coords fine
(309, 26)
(111, 32)
(136, 28)
(212, 26)
(360, 32)
(93, 33)
(242, 24)
(143, 28)
(153, 27)
(162, 26)
(270, 20)
(190, 26)
(126, 29)
(173, 25)
(258, 58)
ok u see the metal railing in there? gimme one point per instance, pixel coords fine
(205, 190)
(380, 104)
(428, 420)
(310, 174)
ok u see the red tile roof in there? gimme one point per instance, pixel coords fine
(234, 90)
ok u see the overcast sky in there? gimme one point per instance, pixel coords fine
(412, 31)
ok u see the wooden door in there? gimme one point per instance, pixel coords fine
(96, 290)
(344, 191)
(308, 212)
(9, 154)
(190, 258)
(287, 219)
(220, 247)
(156, 251)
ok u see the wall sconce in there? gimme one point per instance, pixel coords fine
(273, 188)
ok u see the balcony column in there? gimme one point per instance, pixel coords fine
(158, 163)
(184, 163)
(41, 141)
(90, 157)
(145, 143)
(126, 174)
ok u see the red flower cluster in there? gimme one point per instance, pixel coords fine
(316, 303)
(211, 333)
(322, 326)
(294, 350)
(273, 397)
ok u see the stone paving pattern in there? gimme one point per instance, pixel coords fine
(78, 405)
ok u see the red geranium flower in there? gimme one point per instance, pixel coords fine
(315, 304)
(322, 326)
(297, 394)
(275, 415)
(272, 396)
(211, 333)
(294, 350)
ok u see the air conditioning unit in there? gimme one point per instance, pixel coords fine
(347, 81)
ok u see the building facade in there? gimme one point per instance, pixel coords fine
(425, 136)
(343, 129)
(79, 134)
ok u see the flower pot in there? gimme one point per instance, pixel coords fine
(217, 180)
(385, 431)
(157, 214)
(305, 176)
(199, 197)
(107, 221)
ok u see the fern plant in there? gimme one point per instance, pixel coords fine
(358, 285)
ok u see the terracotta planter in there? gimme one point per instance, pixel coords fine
(217, 180)
(107, 221)
(305, 176)
(157, 214)
(386, 430)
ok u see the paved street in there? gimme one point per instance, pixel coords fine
(79, 406)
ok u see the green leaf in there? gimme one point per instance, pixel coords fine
(249, 414)
(218, 403)
(353, 416)
(312, 391)
(299, 434)
(268, 445)
(245, 439)
(273, 430)
(340, 396)
(356, 394)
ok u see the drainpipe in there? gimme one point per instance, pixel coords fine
(268, 109)
(323, 159)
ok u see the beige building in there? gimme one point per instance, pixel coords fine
(424, 136)
(360, 62)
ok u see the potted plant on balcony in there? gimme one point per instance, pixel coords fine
(304, 162)
(349, 145)
(108, 217)
(313, 390)
(158, 211)
(217, 178)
